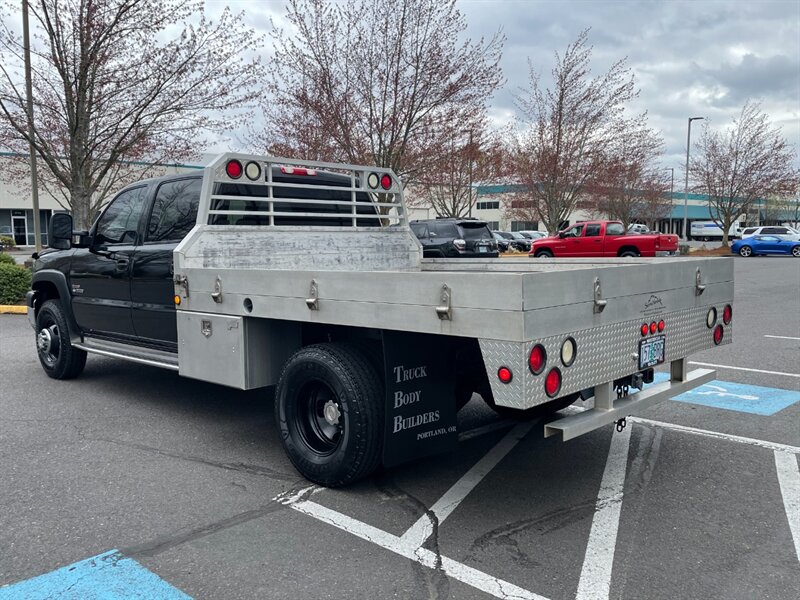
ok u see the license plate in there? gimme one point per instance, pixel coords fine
(651, 351)
(481, 248)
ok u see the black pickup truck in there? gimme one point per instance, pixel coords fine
(111, 289)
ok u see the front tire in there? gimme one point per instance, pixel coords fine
(745, 251)
(796, 251)
(329, 408)
(59, 358)
(543, 254)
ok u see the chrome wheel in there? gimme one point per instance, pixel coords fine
(745, 251)
(48, 343)
(796, 251)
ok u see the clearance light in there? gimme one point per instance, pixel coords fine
(177, 300)
(504, 375)
(645, 329)
(569, 350)
(727, 314)
(661, 326)
(718, 334)
(386, 182)
(298, 171)
(253, 171)
(234, 169)
(537, 359)
(373, 180)
(711, 317)
(552, 384)
(653, 327)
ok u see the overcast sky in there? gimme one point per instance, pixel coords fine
(700, 58)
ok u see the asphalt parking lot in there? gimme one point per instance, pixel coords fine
(132, 482)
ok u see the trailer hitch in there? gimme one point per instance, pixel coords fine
(621, 423)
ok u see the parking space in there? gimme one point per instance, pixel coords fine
(183, 486)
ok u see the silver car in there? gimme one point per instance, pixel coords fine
(783, 232)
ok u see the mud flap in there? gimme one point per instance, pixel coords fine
(420, 396)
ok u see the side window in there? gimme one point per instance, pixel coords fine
(772, 230)
(592, 230)
(749, 231)
(420, 230)
(120, 221)
(615, 229)
(174, 210)
(574, 231)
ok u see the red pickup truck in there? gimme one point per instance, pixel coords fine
(604, 238)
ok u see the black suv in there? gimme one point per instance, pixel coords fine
(455, 238)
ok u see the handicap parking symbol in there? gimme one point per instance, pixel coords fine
(754, 399)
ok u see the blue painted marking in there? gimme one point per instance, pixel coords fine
(108, 576)
(753, 399)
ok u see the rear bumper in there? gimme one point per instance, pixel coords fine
(666, 252)
(589, 420)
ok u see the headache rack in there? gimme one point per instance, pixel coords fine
(241, 189)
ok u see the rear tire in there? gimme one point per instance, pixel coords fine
(544, 254)
(629, 254)
(59, 359)
(745, 251)
(329, 410)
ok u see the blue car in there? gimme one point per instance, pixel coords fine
(765, 244)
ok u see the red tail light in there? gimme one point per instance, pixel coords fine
(504, 374)
(727, 314)
(552, 384)
(645, 329)
(653, 327)
(386, 182)
(661, 326)
(234, 169)
(537, 359)
(718, 334)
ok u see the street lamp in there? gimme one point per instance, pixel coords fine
(671, 188)
(686, 185)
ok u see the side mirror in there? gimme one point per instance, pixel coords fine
(61, 231)
(562, 234)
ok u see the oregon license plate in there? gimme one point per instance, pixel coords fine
(651, 352)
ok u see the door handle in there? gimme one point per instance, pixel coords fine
(122, 264)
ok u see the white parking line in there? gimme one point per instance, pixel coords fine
(423, 528)
(782, 337)
(721, 436)
(595, 581)
(703, 364)
(477, 579)
(789, 479)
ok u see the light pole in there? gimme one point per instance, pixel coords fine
(37, 233)
(671, 188)
(686, 185)
(470, 173)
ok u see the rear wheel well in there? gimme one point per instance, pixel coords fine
(628, 249)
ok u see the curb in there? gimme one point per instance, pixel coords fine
(13, 309)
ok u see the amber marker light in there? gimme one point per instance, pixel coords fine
(177, 300)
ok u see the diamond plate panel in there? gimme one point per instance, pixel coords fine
(604, 353)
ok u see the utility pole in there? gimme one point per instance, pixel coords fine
(671, 188)
(37, 229)
(470, 172)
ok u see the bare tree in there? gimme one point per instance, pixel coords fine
(629, 184)
(566, 131)
(119, 81)
(447, 183)
(376, 81)
(749, 161)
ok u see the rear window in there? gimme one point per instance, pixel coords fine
(475, 231)
(443, 229)
(364, 204)
(615, 229)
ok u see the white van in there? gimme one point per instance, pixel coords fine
(708, 230)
